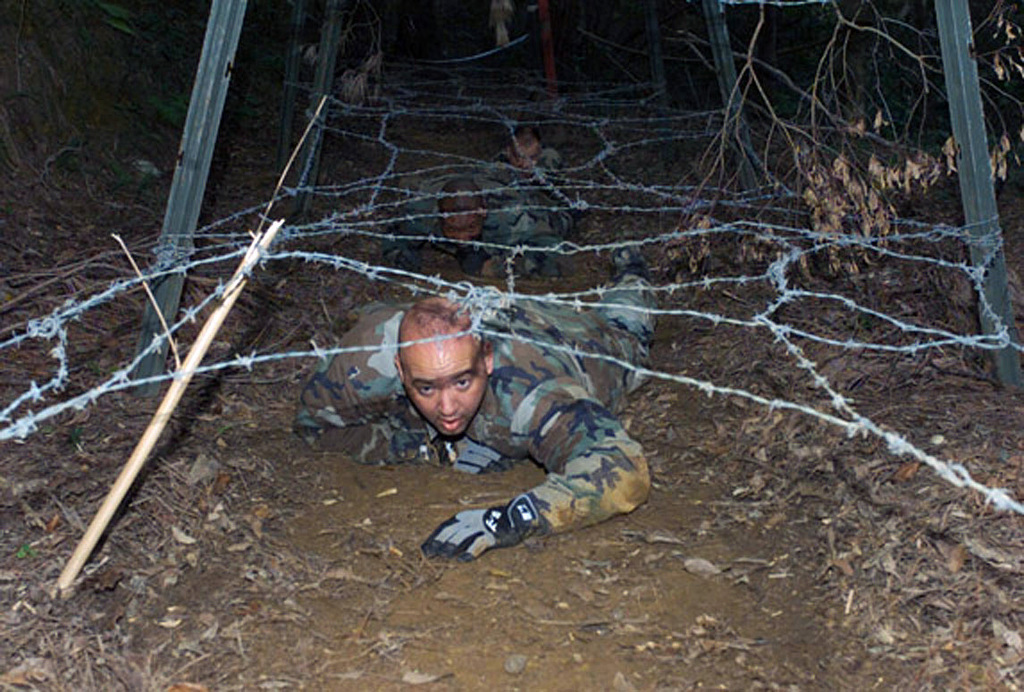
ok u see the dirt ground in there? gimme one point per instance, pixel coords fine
(775, 552)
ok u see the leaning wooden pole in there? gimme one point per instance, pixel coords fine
(977, 192)
(163, 414)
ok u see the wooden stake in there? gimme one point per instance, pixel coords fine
(163, 414)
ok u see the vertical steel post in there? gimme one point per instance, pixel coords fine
(323, 81)
(189, 184)
(977, 192)
(291, 86)
(654, 51)
(725, 65)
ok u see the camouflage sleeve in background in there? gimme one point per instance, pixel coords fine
(419, 219)
(354, 403)
(521, 214)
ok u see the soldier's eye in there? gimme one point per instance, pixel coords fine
(425, 389)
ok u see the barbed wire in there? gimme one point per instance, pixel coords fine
(606, 179)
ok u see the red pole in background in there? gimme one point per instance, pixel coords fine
(547, 43)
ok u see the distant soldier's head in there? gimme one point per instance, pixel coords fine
(446, 379)
(524, 150)
(463, 209)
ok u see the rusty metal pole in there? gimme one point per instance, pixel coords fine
(548, 46)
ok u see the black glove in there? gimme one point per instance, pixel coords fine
(468, 534)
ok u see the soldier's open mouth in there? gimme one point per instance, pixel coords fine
(450, 426)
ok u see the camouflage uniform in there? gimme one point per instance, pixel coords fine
(518, 213)
(542, 403)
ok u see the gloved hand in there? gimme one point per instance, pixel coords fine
(468, 534)
(473, 457)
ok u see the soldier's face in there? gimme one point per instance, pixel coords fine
(467, 226)
(446, 380)
(524, 154)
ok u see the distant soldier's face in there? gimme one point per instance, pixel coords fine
(446, 380)
(524, 154)
(467, 226)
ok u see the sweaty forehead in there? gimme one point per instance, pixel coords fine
(440, 359)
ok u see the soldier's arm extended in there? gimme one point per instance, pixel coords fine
(355, 402)
(595, 471)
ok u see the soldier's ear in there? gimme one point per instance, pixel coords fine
(398, 366)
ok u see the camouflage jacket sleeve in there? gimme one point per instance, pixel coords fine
(355, 402)
(595, 470)
(419, 220)
(521, 214)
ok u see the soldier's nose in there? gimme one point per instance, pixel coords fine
(446, 404)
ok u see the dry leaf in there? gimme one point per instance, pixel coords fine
(906, 472)
(389, 491)
(700, 567)
(843, 565)
(256, 524)
(1009, 637)
(220, 484)
(414, 677)
(187, 687)
(181, 537)
(621, 684)
(954, 555)
(582, 592)
(203, 469)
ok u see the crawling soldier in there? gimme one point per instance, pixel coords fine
(487, 207)
(526, 152)
(442, 388)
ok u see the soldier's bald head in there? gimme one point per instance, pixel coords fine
(461, 195)
(446, 380)
(433, 317)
